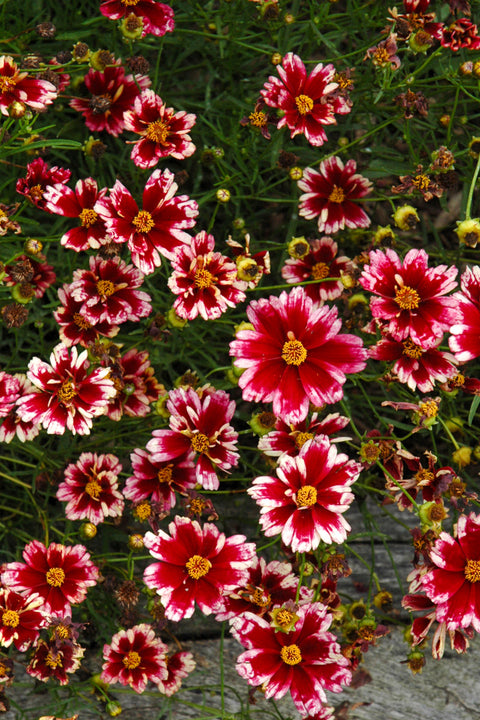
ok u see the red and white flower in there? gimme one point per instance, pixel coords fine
(295, 354)
(73, 326)
(464, 340)
(18, 86)
(411, 298)
(329, 195)
(78, 203)
(21, 619)
(69, 398)
(13, 425)
(306, 501)
(39, 176)
(157, 18)
(289, 438)
(54, 659)
(197, 565)
(462, 33)
(90, 488)
(164, 132)
(136, 385)
(201, 424)
(179, 666)
(9, 392)
(306, 661)
(60, 574)
(308, 102)
(205, 281)
(157, 228)
(134, 657)
(158, 480)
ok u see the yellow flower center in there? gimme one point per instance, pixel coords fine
(284, 618)
(421, 182)
(301, 438)
(203, 278)
(200, 443)
(261, 598)
(143, 510)
(93, 488)
(164, 475)
(381, 56)
(306, 496)
(293, 351)
(198, 566)
(429, 408)
(130, 2)
(304, 104)
(407, 298)
(337, 195)
(157, 132)
(80, 322)
(10, 618)
(88, 217)
(143, 221)
(320, 270)
(258, 119)
(105, 288)
(197, 505)
(53, 661)
(55, 577)
(7, 83)
(62, 632)
(472, 571)
(291, 654)
(131, 660)
(66, 391)
(411, 349)
(424, 477)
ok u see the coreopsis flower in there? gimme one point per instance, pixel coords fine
(290, 438)
(60, 574)
(39, 175)
(421, 182)
(383, 55)
(135, 383)
(90, 488)
(73, 326)
(18, 86)
(78, 203)
(416, 366)
(156, 229)
(319, 263)
(329, 195)
(179, 666)
(12, 424)
(305, 661)
(205, 281)
(9, 392)
(40, 276)
(197, 565)
(411, 298)
(112, 92)
(21, 619)
(157, 481)
(452, 584)
(157, 18)
(295, 354)
(260, 119)
(306, 501)
(134, 657)
(53, 659)
(69, 398)
(202, 424)
(464, 340)
(462, 33)
(109, 292)
(307, 101)
(163, 132)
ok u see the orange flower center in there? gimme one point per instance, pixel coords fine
(293, 351)
(36, 192)
(93, 488)
(55, 577)
(10, 618)
(261, 598)
(320, 270)
(130, 2)
(7, 83)
(88, 217)
(164, 475)
(143, 221)
(203, 278)
(284, 618)
(143, 510)
(381, 56)
(198, 566)
(106, 288)
(81, 322)
(472, 571)
(291, 654)
(337, 195)
(306, 496)
(411, 349)
(53, 661)
(429, 408)
(66, 391)
(301, 438)
(157, 131)
(258, 119)
(132, 660)
(304, 104)
(407, 298)
(200, 443)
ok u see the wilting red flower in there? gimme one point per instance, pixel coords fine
(39, 175)
(109, 292)
(410, 295)
(462, 33)
(90, 487)
(307, 660)
(157, 481)
(197, 565)
(307, 101)
(112, 93)
(306, 501)
(12, 423)
(158, 228)
(20, 619)
(290, 438)
(68, 397)
(134, 657)
(329, 194)
(136, 385)
(78, 203)
(41, 275)
(157, 18)
(60, 574)
(199, 423)
(319, 263)
(417, 366)
(73, 326)
(55, 659)
(464, 340)
(18, 86)
(205, 281)
(164, 132)
(179, 665)
(295, 354)
(383, 54)
(453, 584)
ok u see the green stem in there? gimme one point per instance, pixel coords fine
(472, 190)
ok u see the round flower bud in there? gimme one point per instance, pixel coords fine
(113, 708)
(468, 232)
(223, 195)
(175, 320)
(88, 531)
(17, 109)
(276, 59)
(476, 68)
(466, 68)
(289, 19)
(420, 42)
(23, 293)
(262, 423)
(383, 234)
(454, 424)
(416, 661)
(135, 542)
(33, 246)
(295, 173)
(462, 456)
